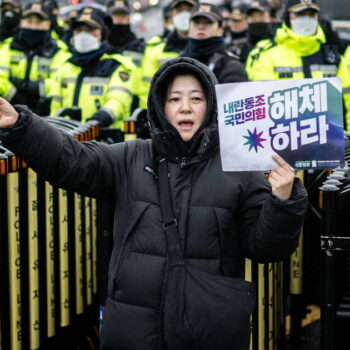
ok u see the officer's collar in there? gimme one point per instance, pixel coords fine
(47, 50)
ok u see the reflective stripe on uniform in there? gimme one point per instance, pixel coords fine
(133, 54)
(164, 60)
(109, 111)
(5, 68)
(43, 60)
(346, 90)
(17, 57)
(146, 79)
(11, 93)
(95, 80)
(42, 92)
(120, 88)
(69, 80)
(323, 68)
(288, 69)
(57, 98)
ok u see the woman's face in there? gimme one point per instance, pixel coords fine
(185, 105)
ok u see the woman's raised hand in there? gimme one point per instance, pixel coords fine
(281, 178)
(8, 115)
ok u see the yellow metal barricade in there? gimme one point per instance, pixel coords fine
(45, 283)
(51, 245)
(88, 250)
(63, 257)
(14, 255)
(78, 203)
(33, 250)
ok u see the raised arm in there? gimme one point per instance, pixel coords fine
(90, 168)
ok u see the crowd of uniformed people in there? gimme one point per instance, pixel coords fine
(90, 65)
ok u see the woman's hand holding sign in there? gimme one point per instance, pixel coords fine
(281, 179)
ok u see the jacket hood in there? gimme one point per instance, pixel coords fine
(166, 139)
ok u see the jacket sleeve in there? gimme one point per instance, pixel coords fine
(89, 168)
(119, 95)
(55, 93)
(260, 66)
(270, 228)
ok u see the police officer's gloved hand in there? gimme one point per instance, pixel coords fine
(26, 87)
(20, 97)
(32, 88)
(103, 118)
(73, 113)
(18, 83)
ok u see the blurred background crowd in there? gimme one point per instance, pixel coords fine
(95, 60)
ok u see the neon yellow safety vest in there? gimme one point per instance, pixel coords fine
(153, 58)
(108, 85)
(39, 68)
(344, 74)
(282, 58)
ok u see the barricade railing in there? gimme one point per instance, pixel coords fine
(335, 245)
(49, 254)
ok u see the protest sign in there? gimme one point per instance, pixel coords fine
(300, 120)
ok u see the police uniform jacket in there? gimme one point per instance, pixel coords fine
(106, 84)
(158, 51)
(32, 70)
(344, 74)
(222, 216)
(293, 56)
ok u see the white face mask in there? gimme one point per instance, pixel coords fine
(181, 21)
(85, 42)
(304, 25)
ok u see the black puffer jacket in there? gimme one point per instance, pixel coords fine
(222, 216)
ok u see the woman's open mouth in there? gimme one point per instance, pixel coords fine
(186, 124)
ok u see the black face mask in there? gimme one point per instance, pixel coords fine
(10, 19)
(199, 48)
(33, 38)
(120, 34)
(258, 31)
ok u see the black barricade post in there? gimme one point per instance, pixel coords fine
(295, 288)
(331, 242)
(4, 252)
(268, 316)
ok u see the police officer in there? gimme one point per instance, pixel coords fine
(344, 74)
(159, 50)
(299, 49)
(93, 84)
(121, 38)
(10, 17)
(259, 27)
(57, 25)
(168, 26)
(239, 26)
(206, 44)
(29, 59)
